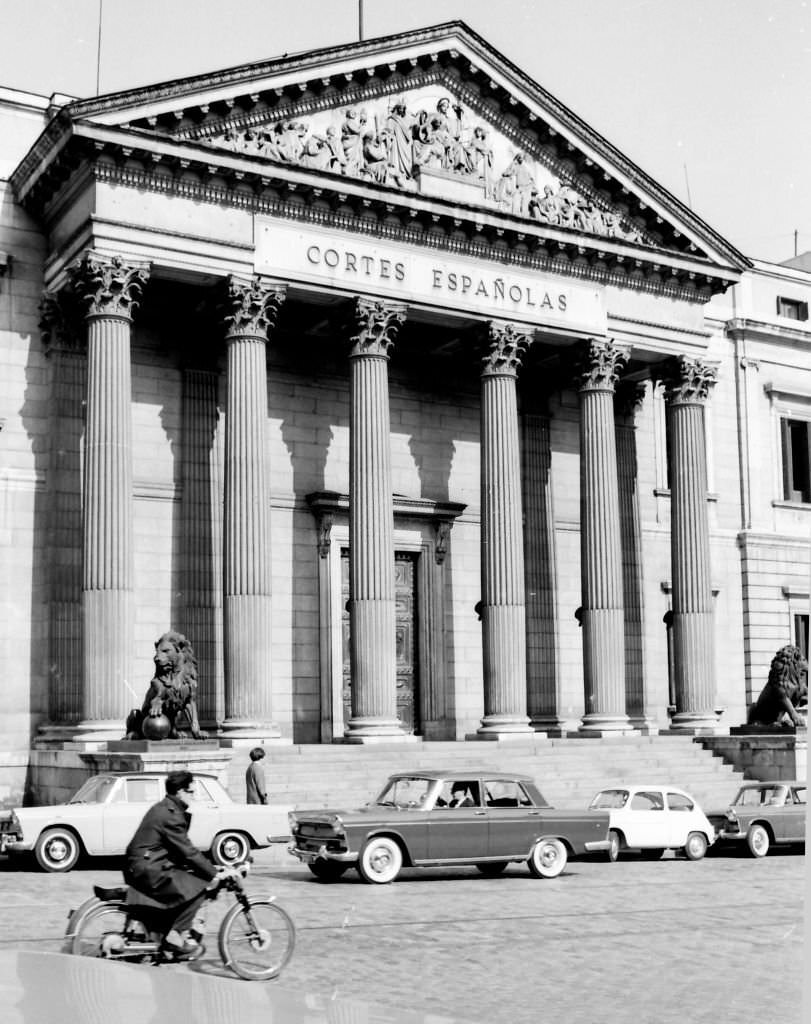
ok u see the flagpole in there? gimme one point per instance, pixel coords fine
(98, 55)
(360, 20)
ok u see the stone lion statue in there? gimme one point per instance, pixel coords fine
(172, 692)
(785, 690)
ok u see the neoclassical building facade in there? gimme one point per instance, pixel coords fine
(414, 404)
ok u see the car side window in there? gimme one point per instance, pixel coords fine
(498, 793)
(143, 791)
(678, 802)
(201, 792)
(647, 802)
(799, 795)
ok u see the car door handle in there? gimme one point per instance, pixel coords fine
(480, 814)
(533, 814)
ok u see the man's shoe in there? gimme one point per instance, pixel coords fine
(182, 951)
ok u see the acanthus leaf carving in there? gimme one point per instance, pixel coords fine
(252, 306)
(377, 323)
(108, 285)
(597, 363)
(688, 380)
(508, 344)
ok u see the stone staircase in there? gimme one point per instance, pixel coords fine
(568, 771)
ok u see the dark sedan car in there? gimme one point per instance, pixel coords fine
(427, 819)
(764, 814)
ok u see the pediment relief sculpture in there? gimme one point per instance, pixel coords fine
(428, 143)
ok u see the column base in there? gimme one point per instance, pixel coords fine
(696, 723)
(504, 727)
(238, 732)
(605, 725)
(101, 731)
(371, 729)
(551, 725)
(644, 725)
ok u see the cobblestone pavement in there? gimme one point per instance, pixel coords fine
(633, 941)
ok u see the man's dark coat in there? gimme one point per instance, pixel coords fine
(161, 858)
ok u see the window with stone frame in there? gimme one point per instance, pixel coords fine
(801, 633)
(796, 456)
(792, 309)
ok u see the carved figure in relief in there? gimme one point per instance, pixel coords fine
(515, 186)
(375, 157)
(785, 691)
(352, 142)
(399, 128)
(480, 159)
(172, 691)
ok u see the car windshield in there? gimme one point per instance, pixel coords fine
(757, 796)
(94, 791)
(610, 799)
(407, 792)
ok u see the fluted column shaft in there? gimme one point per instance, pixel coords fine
(253, 309)
(372, 650)
(109, 288)
(687, 390)
(602, 614)
(503, 609)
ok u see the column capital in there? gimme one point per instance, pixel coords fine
(508, 344)
(108, 285)
(597, 362)
(376, 326)
(688, 381)
(252, 306)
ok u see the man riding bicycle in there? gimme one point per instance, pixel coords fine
(165, 870)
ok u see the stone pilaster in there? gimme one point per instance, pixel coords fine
(62, 334)
(630, 397)
(503, 609)
(201, 518)
(252, 311)
(371, 526)
(602, 610)
(540, 573)
(688, 383)
(109, 287)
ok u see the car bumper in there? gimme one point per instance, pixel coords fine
(723, 834)
(322, 853)
(597, 844)
(13, 844)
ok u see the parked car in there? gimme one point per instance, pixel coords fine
(102, 816)
(652, 819)
(764, 814)
(432, 818)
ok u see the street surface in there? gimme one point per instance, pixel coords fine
(647, 943)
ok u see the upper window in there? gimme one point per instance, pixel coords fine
(796, 460)
(679, 802)
(793, 309)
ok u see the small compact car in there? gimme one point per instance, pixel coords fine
(652, 819)
(764, 814)
(102, 817)
(436, 818)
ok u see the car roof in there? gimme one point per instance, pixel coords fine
(431, 775)
(644, 785)
(148, 775)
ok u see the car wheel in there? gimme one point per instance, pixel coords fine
(57, 849)
(380, 860)
(653, 853)
(548, 858)
(492, 867)
(230, 848)
(758, 841)
(613, 850)
(327, 870)
(696, 846)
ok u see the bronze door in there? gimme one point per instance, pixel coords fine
(405, 614)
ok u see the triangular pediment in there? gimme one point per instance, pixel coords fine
(434, 115)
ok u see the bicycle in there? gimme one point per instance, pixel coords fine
(255, 940)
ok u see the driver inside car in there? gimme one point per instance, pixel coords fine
(166, 872)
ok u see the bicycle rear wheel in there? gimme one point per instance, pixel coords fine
(257, 939)
(101, 931)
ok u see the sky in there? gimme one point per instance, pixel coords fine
(709, 97)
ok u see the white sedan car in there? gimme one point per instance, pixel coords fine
(653, 819)
(102, 817)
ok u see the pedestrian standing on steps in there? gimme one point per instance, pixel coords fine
(255, 778)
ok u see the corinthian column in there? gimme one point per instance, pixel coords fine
(602, 612)
(688, 383)
(371, 527)
(503, 610)
(109, 287)
(252, 311)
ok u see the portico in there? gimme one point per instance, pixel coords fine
(281, 360)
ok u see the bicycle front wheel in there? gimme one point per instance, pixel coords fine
(100, 932)
(257, 939)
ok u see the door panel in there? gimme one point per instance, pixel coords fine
(405, 604)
